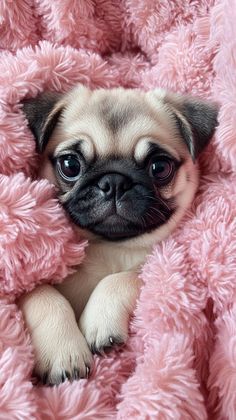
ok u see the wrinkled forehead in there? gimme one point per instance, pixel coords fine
(116, 122)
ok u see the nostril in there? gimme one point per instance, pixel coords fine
(114, 184)
(105, 187)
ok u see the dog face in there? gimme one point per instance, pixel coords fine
(123, 161)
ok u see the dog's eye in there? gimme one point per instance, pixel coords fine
(162, 169)
(68, 167)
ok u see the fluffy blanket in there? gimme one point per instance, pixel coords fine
(180, 361)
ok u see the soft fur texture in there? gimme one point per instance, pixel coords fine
(188, 300)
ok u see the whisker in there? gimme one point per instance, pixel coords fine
(163, 210)
(164, 203)
(157, 212)
(156, 199)
(143, 221)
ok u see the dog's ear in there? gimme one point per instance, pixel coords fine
(196, 120)
(43, 113)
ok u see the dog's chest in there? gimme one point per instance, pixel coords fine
(103, 259)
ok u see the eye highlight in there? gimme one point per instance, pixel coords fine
(162, 169)
(68, 167)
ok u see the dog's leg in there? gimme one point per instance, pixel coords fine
(60, 349)
(104, 321)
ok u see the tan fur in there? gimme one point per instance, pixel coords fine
(104, 289)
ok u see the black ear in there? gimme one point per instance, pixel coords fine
(42, 114)
(196, 121)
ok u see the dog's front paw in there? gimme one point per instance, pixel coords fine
(104, 324)
(60, 354)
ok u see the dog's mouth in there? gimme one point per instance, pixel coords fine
(115, 227)
(115, 219)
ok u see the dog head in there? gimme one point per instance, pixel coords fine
(123, 161)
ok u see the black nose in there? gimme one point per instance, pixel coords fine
(114, 185)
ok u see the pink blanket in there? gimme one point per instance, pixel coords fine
(180, 361)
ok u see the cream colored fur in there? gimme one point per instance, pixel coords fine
(92, 307)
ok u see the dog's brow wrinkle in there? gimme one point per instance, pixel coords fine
(116, 117)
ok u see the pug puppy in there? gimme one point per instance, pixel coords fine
(124, 166)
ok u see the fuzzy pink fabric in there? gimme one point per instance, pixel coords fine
(180, 361)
